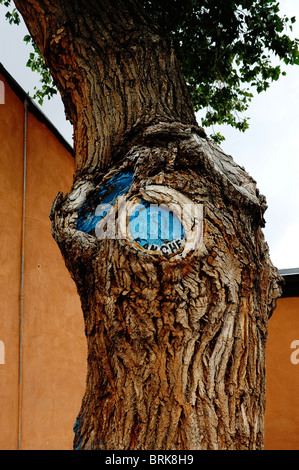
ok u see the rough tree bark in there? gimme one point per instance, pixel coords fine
(176, 341)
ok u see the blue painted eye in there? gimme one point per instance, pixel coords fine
(153, 227)
(88, 217)
(156, 228)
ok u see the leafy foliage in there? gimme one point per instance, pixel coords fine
(35, 61)
(12, 16)
(227, 50)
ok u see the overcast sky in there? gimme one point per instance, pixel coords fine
(269, 150)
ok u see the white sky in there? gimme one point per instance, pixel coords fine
(269, 150)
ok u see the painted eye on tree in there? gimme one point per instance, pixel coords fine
(160, 220)
(165, 222)
(101, 201)
(156, 228)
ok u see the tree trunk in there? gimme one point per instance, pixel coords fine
(113, 70)
(176, 327)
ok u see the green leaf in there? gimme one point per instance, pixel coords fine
(224, 47)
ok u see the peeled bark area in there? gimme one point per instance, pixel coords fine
(176, 345)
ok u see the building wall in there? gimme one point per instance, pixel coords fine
(282, 391)
(53, 343)
(11, 180)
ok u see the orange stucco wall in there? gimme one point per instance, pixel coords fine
(53, 342)
(11, 172)
(282, 392)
